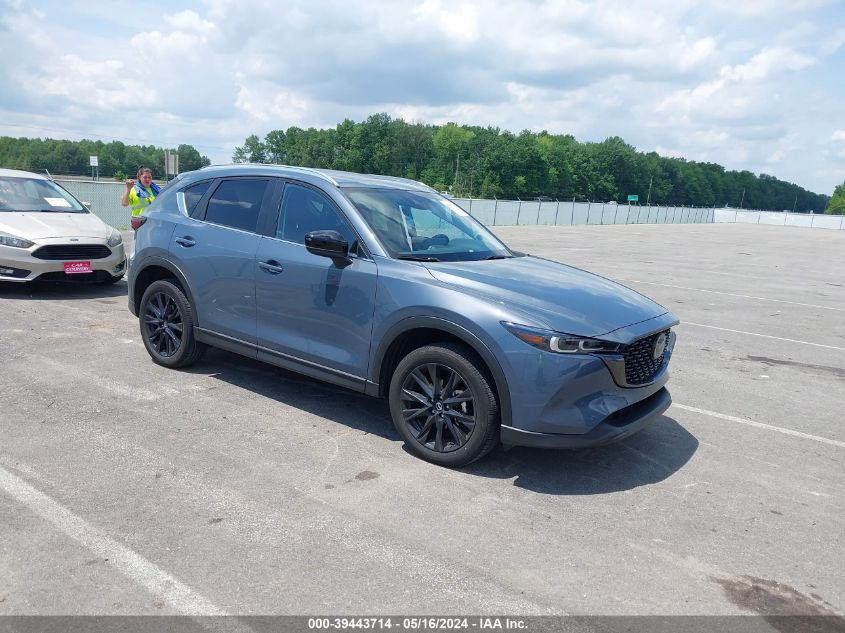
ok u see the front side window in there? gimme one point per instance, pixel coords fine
(304, 210)
(236, 203)
(421, 225)
(36, 194)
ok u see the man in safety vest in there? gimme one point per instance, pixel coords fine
(139, 195)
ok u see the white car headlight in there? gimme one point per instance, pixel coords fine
(115, 238)
(14, 241)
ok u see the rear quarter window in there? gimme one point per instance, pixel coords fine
(194, 194)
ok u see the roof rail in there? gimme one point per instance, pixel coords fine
(310, 170)
(317, 172)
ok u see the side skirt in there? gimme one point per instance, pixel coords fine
(285, 361)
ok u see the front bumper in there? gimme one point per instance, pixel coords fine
(19, 264)
(615, 427)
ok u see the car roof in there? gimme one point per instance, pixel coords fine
(17, 173)
(306, 174)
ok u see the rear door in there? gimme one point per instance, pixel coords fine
(215, 248)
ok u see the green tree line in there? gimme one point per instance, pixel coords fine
(836, 206)
(487, 162)
(116, 160)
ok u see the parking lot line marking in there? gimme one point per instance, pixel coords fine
(760, 425)
(732, 294)
(777, 338)
(154, 579)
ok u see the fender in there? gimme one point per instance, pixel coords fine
(154, 260)
(436, 323)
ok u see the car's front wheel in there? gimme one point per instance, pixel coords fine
(167, 325)
(443, 405)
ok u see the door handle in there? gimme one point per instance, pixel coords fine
(187, 242)
(271, 267)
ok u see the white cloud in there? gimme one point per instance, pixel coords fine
(838, 135)
(265, 102)
(458, 24)
(102, 85)
(834, 42)
(767, 8)
(189, 21)
(767, 62)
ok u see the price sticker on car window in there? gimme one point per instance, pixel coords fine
(57, 202)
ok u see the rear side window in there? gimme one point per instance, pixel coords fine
(236, 203)
(194, 194)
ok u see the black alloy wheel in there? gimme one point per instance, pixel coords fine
(166, 318)
(438, 407)
(163, 323)
(443, 405)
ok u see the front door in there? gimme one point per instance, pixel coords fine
(311, 308)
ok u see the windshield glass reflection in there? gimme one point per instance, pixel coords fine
(425, 226)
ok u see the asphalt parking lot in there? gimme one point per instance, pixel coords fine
(235, 487)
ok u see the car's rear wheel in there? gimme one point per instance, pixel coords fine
(443, 406)
(167, 325)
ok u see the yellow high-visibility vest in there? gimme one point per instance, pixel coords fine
(140, 198)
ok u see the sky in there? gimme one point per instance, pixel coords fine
(748, 84)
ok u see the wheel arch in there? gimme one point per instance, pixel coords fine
(415, 332)
(155, 269)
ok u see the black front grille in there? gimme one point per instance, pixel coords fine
(77, 278)
(73, 252)
(640, 364)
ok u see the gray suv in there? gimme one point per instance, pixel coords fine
(384, 286)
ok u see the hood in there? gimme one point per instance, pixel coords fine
(36, 225)
(566, 299)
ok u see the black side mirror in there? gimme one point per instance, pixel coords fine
(327, 244)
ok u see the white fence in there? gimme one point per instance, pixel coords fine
(781, 218)
(567, 213)
(104, 198)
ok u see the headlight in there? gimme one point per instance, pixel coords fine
(16, 242)
(558, 343)
(115, 238)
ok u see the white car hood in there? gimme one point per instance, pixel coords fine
(36, 225)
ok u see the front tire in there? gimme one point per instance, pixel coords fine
(167, 325)
(443, 406)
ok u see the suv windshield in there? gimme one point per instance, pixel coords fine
(36, 194)
(424, 226)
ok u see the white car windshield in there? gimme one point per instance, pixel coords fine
(36, 194)
(424, 226)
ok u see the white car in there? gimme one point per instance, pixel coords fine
(47, 234)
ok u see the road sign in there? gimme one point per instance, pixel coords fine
(94, 161)
(633, 198)
(171, 162)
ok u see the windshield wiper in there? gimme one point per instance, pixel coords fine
(498, 257)
(418, 258)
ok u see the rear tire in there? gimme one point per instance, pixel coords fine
(166, 318)
(443, 406)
